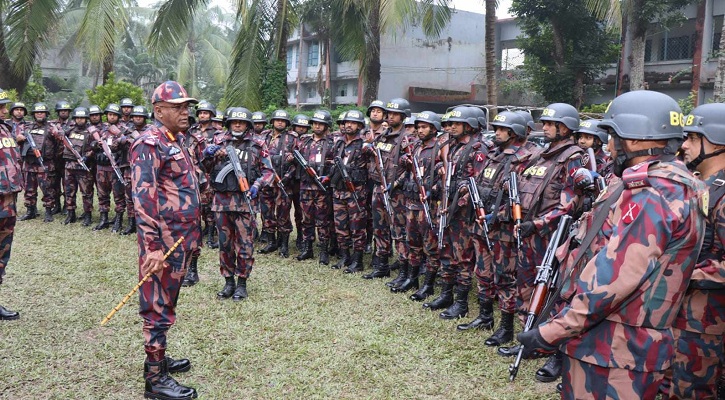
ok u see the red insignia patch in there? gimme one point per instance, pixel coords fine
(479, 157)
(572, 172)
(631, 211)
(265, 153)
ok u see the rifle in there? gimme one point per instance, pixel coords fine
(109, 155)
(480, 211)
(277, 179)
(515, 202)
(348, 182)
(419, 181)
(546, 276)
(601, 183)
(384, 183)
(310, 171)
(36, 151)
(67, 143)
(241, 176)
(443, 219)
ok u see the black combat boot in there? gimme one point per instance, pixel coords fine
(131, 226)
(87, 219)
(459, 309)
(228, 289)
(117, 222)
(334, 250)
(402, 274)
(444, 300)
(299, 240)
(411, 282)
(241, 292)
(57, 209)
(160, 385)
(382, 270)
(374, 261)
(212, 239)
(283, 245)
(192, 274)
(484, 319)
(324, 255)
(551, 370)
(395, 266)
(271, 244)
(70, 218)
(31, 212)
(263, 238)
(368, 248)
(48, 215)
(102, 224)
(306, 253)
(509, 351)
(356, 265)
(7, 315)
(427, 288)
(505, 331)
(344, 261)
(175, 366)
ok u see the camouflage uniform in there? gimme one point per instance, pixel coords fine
(274, 205)
(132, 136)
(106, 179)
(45, 138)
(11, 182)
(75, 175)
(199, 138)
(315, 204)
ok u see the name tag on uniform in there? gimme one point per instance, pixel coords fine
(109, 141)
(318, 158)
(174, 151)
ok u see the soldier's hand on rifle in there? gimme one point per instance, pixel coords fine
(20, 138)
(488, 218)
(406, 162)
(154, 262)
(532, 342)
(424, 196)
(289, 158)
(463, 189)
(253, 190)
(324, 179)
(463, 200)
(211, 150)
(527, 229)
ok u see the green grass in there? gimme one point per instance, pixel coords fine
(305, 332)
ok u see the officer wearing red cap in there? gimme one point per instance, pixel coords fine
(165, 190)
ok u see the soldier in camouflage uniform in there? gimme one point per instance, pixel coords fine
(17, 122)
(468, 156)
(75, 175)
(496, 273)
(259, 119)
(64, 123)
(44, 135)
(275, 206)
(376, 115)
(95, 117)
(11, 182)
(699, 327)
(641, 248)
(235, 217)
(316, 203)
(589, 135)
(166, 196)
(139, 117)
(217, 121)
(349, 219)
(126, 110)
(301, 126)
(201, 135)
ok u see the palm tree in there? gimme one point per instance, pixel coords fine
(491, 82)
(720, 74)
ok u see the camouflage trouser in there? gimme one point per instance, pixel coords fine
(421, 241)
(457, 257)
(276, 210)
(73, 179)
(42, 179)
(294, 192)
(581, 380)
(157, 300)
(207, 197)
(697, 365)
(129, 198)
(236, 243)
(385, 231)
(56, 180)
(316, 207)
(496, 275)
(528, 257)
(107, 181)
(369, 187)
(349, 221)
(7, 229)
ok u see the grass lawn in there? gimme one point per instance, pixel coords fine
(306, 331)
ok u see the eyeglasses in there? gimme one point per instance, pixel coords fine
(177, 107)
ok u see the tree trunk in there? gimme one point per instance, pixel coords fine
(638, 30)
(491, 82)
(578, 90)
(107, 66)
(622, 55)
(372, 66)
(697, 56)
(720, 73)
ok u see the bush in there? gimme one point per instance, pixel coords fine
(113, 91)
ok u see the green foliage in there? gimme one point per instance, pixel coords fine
(12, 94)
(35, 91)
(113, 91)
(274, 85)
(688, 103)
(595, 108)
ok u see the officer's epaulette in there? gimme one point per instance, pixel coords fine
(637, 176)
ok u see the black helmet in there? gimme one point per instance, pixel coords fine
(463, 114)
(644, 115)
(480, 116)
(4, 97)
(429, 117)
(19, 104)
(528, 118)
(341, 118)
(323, 117)
(591, 127)
(561, 112)
(281, 115)
(376, 104)
(139, 111)
(301, 120)
(80, 112)
(408, 121)
(62, 106)
(39, 108)
(218, 117)
(709, 121)
(205, 106)
(126, 102)
(113, 108)
(259, 117)
(398, 105)
(354, 116)
(94, 110)
(238, 114)
(511, 120)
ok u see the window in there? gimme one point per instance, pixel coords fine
(313, 54)
(342, 92)
(354, 89)
(677, 48)
(311, 93)
(291, 59)
(716, 42)
(292, 94)
(648, 50)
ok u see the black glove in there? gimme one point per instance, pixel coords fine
(533, 342)
(527, 229)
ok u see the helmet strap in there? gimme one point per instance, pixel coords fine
(703, 156)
